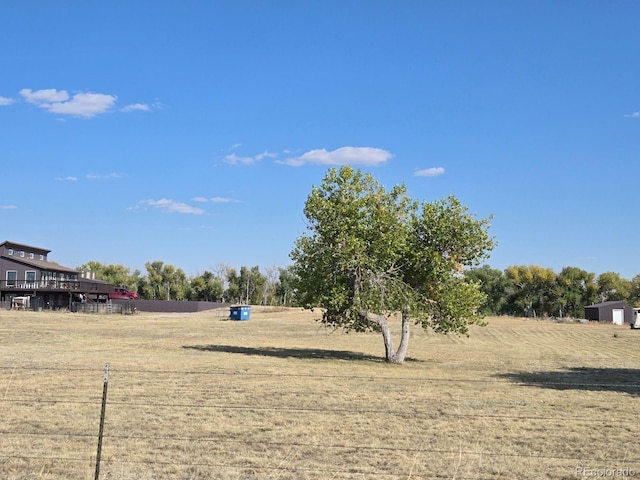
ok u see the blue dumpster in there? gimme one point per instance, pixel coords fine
(240, 313)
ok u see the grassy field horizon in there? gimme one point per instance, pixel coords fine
(195, 396)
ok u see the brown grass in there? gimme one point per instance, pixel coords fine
(280, 397)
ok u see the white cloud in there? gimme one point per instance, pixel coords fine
(93, 176)
(234, 159)
(44, 98)
(85, 105)
(143, 107)
(265, 154)
(67, 179)
(633, 115)
(171, 206)
(215, 200)
(4, 101)
(342, 156)
(8, 207)
(234, 146)
(430, 172)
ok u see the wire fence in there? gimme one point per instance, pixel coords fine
(59, 422)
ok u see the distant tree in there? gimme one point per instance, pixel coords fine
(165, 281)
(286, 289)
(119, 275)
(176, 283)
(371, 253)
(271, 285)
(634, 291)
(575, 288)
(252, 285)
(153, 280)
(206, 287)
(220, 271)
(246, 287)
(611, 286)
(232, 293)
(494, 284)
(145, 288)
(532, 288)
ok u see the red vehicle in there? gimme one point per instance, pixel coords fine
(124, 293)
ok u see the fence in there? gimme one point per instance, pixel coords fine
(37, 304)
(59, 422)
(124, 308)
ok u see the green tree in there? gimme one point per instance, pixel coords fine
(286, 288)
(611, 286)
(575, 288)
(206, 287)
(232, 293)
(634, 291)
(370, 254)
(494, 284)
(251, 284)
(165, 281)
(533, 287)
(118, 275)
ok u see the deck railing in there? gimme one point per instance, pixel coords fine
(81, 286)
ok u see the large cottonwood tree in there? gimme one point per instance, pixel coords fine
(370, 254)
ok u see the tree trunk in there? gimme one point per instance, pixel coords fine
(389, 352)
(391, 355)
(404, 338)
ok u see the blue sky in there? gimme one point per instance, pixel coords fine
(191, 132)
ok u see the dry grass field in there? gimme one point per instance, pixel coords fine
(280, 397)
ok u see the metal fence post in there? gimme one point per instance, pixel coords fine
(104, 407)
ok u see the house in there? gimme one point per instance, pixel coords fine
(26, 271)
(615, 311)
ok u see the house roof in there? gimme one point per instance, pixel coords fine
(608, 304)
(34, 262)
(40, 264)
(24, 246)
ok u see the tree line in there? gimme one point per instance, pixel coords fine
(223, 283)
(534, 291)
(530, 291)
(519, 290)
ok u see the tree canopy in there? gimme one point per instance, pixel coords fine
(370, 254)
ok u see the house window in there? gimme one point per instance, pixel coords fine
(12, 276)
(22, 254)
(41, 257)
(10, 251)
(31, 255)
(30, 276)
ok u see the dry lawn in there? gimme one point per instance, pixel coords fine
(280, 397)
